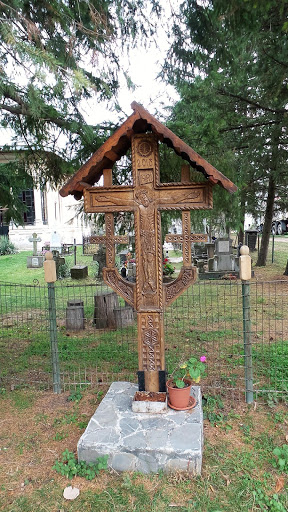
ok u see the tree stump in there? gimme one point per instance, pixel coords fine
(75, 315)
(286, 270)
(104, 314)
(124, 317)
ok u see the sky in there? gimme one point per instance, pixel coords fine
(143, 66)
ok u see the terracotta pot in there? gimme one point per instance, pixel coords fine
(179, 398)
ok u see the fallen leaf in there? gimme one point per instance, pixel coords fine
(280, 484)
(286, 437)
(71, 493)
(228, 481)
(212, 488)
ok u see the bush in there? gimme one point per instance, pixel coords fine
(63, 271)
(6, 246)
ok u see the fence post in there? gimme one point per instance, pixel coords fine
(245, 275)
(50, 278)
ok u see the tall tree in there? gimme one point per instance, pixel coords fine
(55, 56)
(238, 49)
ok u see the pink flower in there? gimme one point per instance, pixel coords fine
(203, 359)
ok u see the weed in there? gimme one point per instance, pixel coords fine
(75, 396)
(271, 503)
(69, 466)
(282, 457)
(60, 435)
(261, 300)
(67, 419)
(211, 406)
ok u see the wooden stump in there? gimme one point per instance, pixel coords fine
(124, 317)
(104, 314)
(75, 315)
(286, 270)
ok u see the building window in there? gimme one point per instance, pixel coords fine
(44, 210)
(27, 197)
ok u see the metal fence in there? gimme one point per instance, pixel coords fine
(206, 320)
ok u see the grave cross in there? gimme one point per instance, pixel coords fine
(109, 239)
(186, 238)
(146, 198)
(34, 238)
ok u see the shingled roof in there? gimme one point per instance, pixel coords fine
(117, 145)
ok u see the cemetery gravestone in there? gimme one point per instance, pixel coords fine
(35, 261)
(149, 447)
(146, 198)
(224, 261)
(55, 242)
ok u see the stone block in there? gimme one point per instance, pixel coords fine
(79, 271)
(143, 442)
(35, 261)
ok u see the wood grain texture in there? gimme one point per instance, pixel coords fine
(117, 145)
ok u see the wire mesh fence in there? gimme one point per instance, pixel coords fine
(97, 336)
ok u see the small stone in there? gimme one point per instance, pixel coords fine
(71, 493)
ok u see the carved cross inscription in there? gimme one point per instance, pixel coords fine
(146, 198)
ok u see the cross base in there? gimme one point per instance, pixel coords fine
(143, 442)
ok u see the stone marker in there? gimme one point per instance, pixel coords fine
(146, 197)
(224, 261)
(140, 441)
(35, 261)
(55, 242)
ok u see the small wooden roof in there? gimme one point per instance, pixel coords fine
(118, 144)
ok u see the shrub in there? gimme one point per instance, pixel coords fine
(6, 246)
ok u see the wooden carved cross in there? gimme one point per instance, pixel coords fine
(109, 239)
(146, 198)
(187, 237)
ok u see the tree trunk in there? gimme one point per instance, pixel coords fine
(262, 258)
(242, 213)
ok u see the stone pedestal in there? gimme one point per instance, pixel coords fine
(143, 442)
(35, 261)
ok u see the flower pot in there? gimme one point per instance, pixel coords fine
(179, 398)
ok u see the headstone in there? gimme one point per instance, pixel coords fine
(224, 261)
(55, 242)
(224, 257)
(35, 261)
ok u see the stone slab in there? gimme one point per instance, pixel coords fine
(143, 442)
